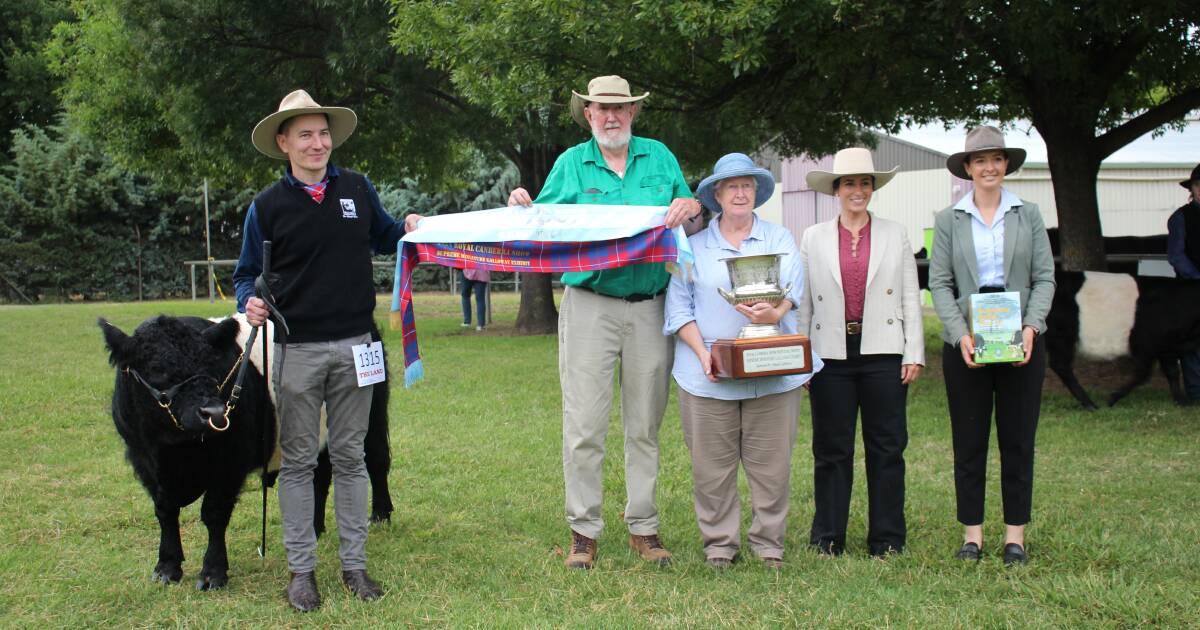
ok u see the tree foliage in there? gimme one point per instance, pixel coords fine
(173, 87)
(27, 87)
(74, 224)
(1090, 76)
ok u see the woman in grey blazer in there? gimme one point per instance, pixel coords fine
(991, 241)
(860, 308)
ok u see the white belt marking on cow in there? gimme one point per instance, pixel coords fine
(244, 329)
(1107, 303)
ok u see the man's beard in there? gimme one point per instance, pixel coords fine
(610, 143)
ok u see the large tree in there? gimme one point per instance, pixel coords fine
(704, 62)
(1091, 77)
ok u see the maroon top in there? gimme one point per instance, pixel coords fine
(854, 262)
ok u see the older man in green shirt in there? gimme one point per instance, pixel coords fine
(614, 317)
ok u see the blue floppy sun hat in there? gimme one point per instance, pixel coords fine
(735, 165)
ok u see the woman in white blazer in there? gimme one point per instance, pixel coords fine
(860, 307)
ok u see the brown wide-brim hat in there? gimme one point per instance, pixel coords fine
(984, 138)
(1187, 183)
(342, 122)
(609, 89)
(852, 161)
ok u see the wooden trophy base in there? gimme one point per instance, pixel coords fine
(764, 356)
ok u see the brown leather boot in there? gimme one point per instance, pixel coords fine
(583, 552)
(361, 584)
(650, 549)
(302, 592)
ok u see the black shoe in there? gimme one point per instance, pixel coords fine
(361, 584)
(302, 592)
(969, 551)
(1014, 554)
(828, 547)
(885, 550)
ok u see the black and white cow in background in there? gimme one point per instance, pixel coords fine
(1109, 315)
(174, 376)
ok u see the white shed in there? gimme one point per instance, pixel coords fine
(1137, 186)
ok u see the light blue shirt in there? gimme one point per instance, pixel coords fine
(696, 299)
(989, 241)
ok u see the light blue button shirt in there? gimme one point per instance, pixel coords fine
(989, 241)
(696, 299)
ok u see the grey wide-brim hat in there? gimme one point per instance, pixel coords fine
(735, 165)
(1187, 183)
(342, 122)
(852, 161)
(609, 89)
(984, 138)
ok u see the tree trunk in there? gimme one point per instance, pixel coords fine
(537, 314)
(1073, 171)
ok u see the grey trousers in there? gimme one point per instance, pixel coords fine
(316, 373)
(595, 335)
(759, 433)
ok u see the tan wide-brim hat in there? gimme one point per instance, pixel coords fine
(984, 138)
(342, 122)
(610, 89)
(853, 161)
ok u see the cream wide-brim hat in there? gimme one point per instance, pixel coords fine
(853, 161)
(984, 138)
(342, 122)
(609, 89)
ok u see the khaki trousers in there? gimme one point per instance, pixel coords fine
(759, 433)
(598, 337)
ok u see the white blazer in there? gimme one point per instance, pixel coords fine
(892, 309)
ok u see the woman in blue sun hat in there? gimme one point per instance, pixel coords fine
(727, 421)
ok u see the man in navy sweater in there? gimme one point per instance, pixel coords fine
(324, 223)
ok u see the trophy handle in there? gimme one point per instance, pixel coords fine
(787, 289)
(729, 297)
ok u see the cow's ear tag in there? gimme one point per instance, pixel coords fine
(368, 363)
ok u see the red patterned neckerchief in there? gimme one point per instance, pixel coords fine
(317, 190)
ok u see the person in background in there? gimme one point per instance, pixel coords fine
(475, 280)
(861, 309)
(991, 241)
(1183, 252)
(727, 421)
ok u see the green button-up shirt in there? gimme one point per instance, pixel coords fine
(652, 178)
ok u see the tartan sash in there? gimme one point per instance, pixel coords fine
(648, 243)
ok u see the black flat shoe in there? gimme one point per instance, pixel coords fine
(1014, 554)
(969, 551)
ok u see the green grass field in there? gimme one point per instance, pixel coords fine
(477, 537)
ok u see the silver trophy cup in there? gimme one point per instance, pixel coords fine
(755, 279)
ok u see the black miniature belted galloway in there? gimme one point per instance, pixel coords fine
(169, 405)
(1109, 315)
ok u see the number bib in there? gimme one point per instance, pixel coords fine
(368, 363)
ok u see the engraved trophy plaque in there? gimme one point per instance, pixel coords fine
(760, 349)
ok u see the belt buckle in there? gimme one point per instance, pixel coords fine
(853, 328)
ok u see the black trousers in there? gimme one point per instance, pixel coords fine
(870, 383)
(1016, 394)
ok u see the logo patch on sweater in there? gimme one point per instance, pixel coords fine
(348, 210)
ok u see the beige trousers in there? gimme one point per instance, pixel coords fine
(598, 337)
(759, 433)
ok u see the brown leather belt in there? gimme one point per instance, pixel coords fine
(853, 328)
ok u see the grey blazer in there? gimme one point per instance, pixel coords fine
(954, 272)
